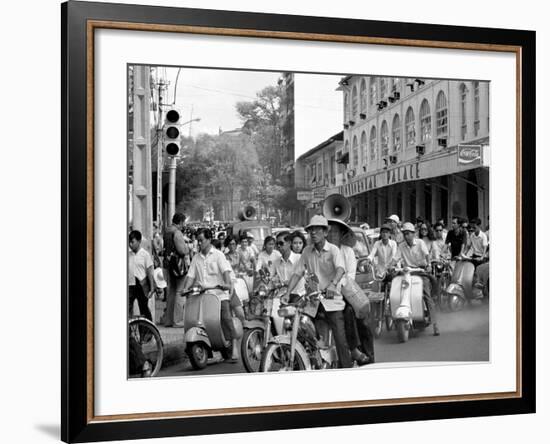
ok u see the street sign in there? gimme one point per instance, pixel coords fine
(320, 193)
(304, 195)
(469, 154)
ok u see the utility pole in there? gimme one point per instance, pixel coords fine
(142, 219)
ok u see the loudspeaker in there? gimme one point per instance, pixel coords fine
(247, 213)
(337, 206)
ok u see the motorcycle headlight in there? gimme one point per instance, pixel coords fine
(404, 284)
(262, 293)
(286, 312)
(287, 324)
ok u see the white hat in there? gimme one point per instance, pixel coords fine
(394, 217)
(158, 276)
(407, 226)
(317, 221)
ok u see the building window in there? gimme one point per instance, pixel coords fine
(372, 91)
(383, 87)
(340, 167)
(332, 165)
(319, 173)
(425, 122)
(346, 107)
(364, 153)
(395, 84)
(363, 96)
(463, 123)
(354, 103)
(441, 114)
(355, 152)
(396, 133)
(476, 108)
(384, 139)
(372, 143)
(313, 174)
(326, 169)
(409, 127)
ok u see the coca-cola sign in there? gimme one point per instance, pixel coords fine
(469, 154)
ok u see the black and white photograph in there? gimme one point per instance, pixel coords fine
(297, 221)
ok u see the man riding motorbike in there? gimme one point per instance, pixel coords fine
(413, 253)
(209, 268)
(325, 261)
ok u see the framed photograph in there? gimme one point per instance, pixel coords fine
(275, 222)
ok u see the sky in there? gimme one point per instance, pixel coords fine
(211, 95)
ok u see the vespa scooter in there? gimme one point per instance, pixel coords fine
(408, 309)
(203, 330)
(461, 291)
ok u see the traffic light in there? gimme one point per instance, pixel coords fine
(172, 126)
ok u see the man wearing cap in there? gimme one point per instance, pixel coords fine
(395, 234)
(326, 262)
(358, 332)
(413, 253)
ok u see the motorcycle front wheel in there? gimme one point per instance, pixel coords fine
(402, 330)
(252, 348)
(276, 358)
(198, 355)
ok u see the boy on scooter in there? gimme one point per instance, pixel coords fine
(413, 253)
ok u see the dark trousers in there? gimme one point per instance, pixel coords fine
(227, 320)
(430, 289)
(336, 322)
(136, 292)
(358, 333)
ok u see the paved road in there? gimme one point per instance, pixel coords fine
(464, 337)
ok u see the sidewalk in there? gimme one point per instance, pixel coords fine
(172, 338)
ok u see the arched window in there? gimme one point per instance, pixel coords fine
(363, 96)
(463, 124)
(476, 108)
(346, 107)
(384, 138)
(441, 114)
(372, 91)
(364, 153)
(425, 122)
(354, 103)
(355, 152)
(383, 87)
(396, 133)
(372, 143)
(409, 127)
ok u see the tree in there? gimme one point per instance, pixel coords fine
(261, 118)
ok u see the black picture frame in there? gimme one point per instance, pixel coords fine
(77, 422)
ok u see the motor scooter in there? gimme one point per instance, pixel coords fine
(263, 322)
(203, 330)
(461, 290)
(409, 311)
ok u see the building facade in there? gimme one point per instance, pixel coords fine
(413, 147)
(318, 175)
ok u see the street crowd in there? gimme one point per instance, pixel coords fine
(184, 256)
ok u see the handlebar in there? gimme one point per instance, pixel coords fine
(199, 289)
